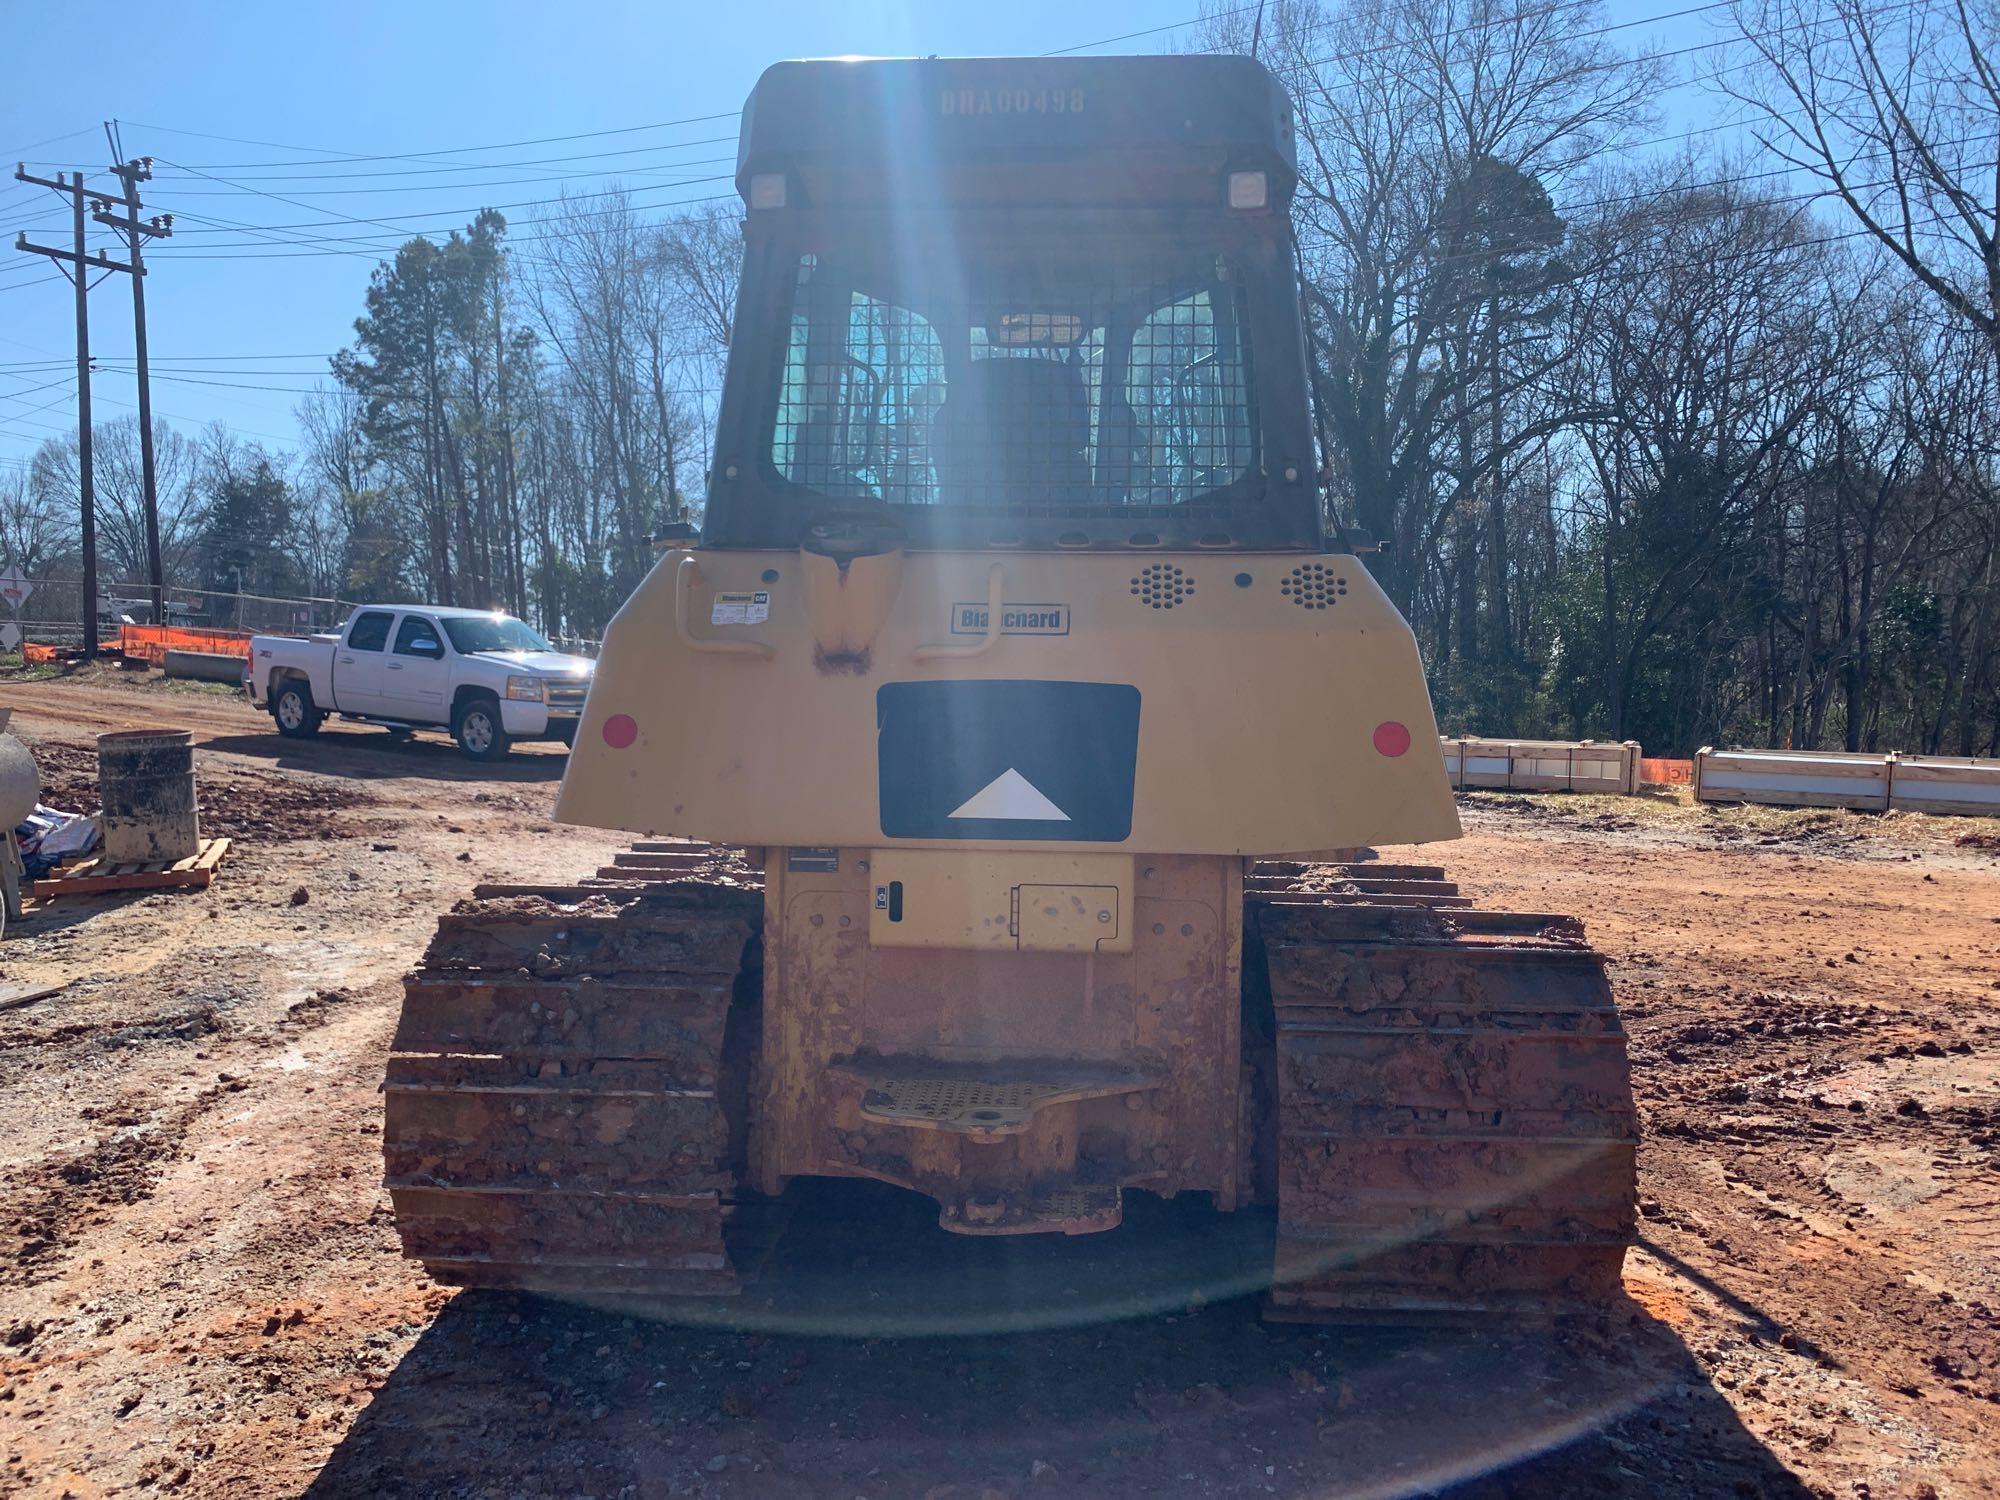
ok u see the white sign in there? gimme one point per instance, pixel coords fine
(15, 589)
(10, 636)
(741, 609)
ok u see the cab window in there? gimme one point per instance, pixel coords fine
(370, 630)
(417, 636)
(1017, 381)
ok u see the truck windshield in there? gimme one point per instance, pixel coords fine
(1018, 381)
(470, 633)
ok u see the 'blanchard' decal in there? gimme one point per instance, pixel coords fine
(1007, 760)
(1015, 619)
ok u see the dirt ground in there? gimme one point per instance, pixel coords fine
(200, 1291)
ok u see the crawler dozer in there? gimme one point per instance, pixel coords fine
(992, 752)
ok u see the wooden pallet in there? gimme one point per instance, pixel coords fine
(94, 876)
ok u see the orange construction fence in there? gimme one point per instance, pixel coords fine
(1656, 772)
(153, 642)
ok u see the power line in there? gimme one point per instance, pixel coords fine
(23, 416)
(19, 344)
(1149, 31)
(280, 198)
(20, 151)
(172, 359)
(334, 157)
(290, 390)
(469, 211)
(374, 244)
(289, 245)
(470, 166)
(234, 252)
(129, 406)
(444, 187)
(292, 245)
(31, 390)
(348, 158)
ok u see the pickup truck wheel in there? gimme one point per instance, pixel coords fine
(292, 708)
(476, 727)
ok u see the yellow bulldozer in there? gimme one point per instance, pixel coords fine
(998, 752)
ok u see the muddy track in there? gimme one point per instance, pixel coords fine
(555, 1105)
(1456, 1131)
(220, 1306)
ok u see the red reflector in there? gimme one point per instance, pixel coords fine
(620, 730)
(1391, 738)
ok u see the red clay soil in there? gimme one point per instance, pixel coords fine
(200, 1290)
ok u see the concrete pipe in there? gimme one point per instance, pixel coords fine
(146, 780)
(207, 666)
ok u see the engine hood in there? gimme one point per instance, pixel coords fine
(537, 663)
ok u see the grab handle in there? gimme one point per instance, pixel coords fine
(995, 592)
(684, 577)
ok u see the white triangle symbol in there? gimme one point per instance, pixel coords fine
(1011, 795)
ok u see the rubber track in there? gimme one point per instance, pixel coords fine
(554, 1119)
(1456, 1132)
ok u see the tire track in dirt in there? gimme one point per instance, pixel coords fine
(1813, 1298)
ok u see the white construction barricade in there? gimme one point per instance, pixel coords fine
(1945, 784)
(1792, 778)
(1542, 765)
(1836, 778)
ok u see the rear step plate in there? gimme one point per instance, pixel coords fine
(986, 1108)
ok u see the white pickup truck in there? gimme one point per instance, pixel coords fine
(488, 678)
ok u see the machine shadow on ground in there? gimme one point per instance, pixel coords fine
(375, 755)
(51, 916)
(877, 1355)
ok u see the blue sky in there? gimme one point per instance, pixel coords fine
(241, 324)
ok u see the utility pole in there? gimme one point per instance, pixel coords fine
(81, 260)
(132, 173)
(76, 263)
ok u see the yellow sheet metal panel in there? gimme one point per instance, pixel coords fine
(1271, 703)
(1070, 918)
(1159, 1023)
(1028, 901)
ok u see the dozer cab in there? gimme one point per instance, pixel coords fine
(992, 752)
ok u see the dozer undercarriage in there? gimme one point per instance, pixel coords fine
(1434, 1098)
(1019, 651)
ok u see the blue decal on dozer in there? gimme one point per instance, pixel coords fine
(1007, 760)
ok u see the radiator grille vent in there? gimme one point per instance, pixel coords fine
(1314, 586)
(1162, 586)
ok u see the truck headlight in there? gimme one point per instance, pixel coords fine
(529, 688)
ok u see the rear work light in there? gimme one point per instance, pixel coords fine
(767, 190)
(1248, 190)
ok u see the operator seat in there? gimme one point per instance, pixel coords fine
(1014, 429)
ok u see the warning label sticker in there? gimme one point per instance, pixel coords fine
(1015, 619)
(741, 609)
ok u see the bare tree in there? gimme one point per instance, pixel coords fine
(121, 504)
(1431, 137)
(1700, 350)
(37, 524)
(1895, 112)
(701, 250)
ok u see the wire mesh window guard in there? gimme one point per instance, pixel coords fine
(1016, 385)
